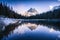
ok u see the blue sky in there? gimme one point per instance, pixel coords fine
(21, 6)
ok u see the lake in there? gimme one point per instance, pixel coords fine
(33, 30)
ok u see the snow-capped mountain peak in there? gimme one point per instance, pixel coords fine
(30, 12)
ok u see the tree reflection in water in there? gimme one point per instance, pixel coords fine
(8, 29)
(22, 30)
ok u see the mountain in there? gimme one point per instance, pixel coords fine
(30, 12)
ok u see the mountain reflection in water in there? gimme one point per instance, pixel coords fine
(32, 30)
(40, 32)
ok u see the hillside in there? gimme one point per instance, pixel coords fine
(8, 12)
(54, 14)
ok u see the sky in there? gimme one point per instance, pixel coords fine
(21, 6)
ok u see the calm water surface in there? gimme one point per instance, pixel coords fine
(40, 32)
(32, 31)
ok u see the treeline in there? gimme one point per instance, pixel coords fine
(6, 11)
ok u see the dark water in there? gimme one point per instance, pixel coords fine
(33, 31)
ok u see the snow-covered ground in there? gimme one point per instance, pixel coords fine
(6, 21)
